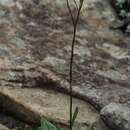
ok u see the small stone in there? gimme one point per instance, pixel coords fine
(116, 116)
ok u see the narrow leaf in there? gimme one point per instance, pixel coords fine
(75, 115)
(43, 125)
(90, 128)
(46, 125)
(50, 126)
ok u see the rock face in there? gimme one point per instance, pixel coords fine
(35, 45)
(33, 104)
(117, 116)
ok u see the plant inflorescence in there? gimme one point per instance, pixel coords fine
(46, 125)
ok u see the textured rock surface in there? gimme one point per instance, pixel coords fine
(32, 104)
(35, 41)
(116, 116)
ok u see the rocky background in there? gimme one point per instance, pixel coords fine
(35, 45)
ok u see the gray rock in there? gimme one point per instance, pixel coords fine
(115, 51)
(30, 104)
(116, 116)
(2, 127)
(6, 3)
(112, 74)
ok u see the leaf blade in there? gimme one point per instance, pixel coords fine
(90, 128)
(50, 126)
(75, 115)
